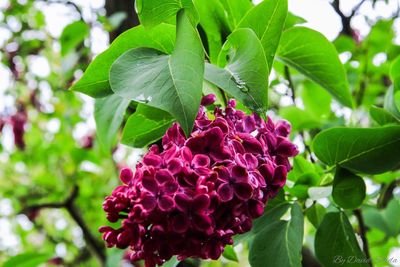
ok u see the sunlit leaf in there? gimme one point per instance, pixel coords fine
(171, 83)
(245, 73)
(145, 126)
(95, 80)
(317, 59)
(365, 150)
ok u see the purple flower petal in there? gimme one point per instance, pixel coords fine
(225, 192)
(126, 175)
(201, 222)
(166, 203)
(201, 202)
(163, 176)
(152, 160)
(243, 191)
(150, 184)
(280, 176)
(182, 201)
(180, 223)
(208, 100)
(200, 160)
(149, 202)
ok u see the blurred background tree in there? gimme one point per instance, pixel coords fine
(54, 174)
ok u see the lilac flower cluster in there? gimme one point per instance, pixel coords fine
(189, 198)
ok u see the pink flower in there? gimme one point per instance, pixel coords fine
(191, 196)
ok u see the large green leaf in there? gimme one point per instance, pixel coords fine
(365, 150)
(145, 126)
(310, 53)
(267, 20)
(72, 35)
(272, 213)
(236, 10)
(336, 244)
(109, 113)
(245, 75)
(95, 80)
(29, 259)
(279, 243)
(382, 116)
(316, 100)
(386, 220)
(171, 83)
(153, 12)
(348, 189)
(214, 23)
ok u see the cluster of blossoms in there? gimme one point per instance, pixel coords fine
(190, 197)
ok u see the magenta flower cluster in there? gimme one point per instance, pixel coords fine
(190, 197)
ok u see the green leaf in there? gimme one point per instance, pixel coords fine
(382, 116)
(154, 12)
(273, 212)
(315, 214)
(335, 241)
(230, 254)
(316, 100)
(387, 220)
(108, 114)
(95, 80)
(392, 97)
(348, 189)
(395, 69)
(171, 83)
(173, 262)
(267, 20)
(245, 75)
(29, 259)
(317, 59)
(114, 257)
(390, 101)
(214, 23)
(145, 126)
(365, 150)
(292, 20)
(299, 118)
(397, 100)
(236, 10)
(73, 35)
(279, 243)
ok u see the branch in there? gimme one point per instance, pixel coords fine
(293, 95)
(93, 243)
(387, 193)
(363, 233)
(68, 204)
(68, 3)
(346, 21)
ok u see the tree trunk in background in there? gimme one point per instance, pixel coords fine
(126, 6)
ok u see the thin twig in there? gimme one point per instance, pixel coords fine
(291, 85)
(387, 193)
(363, 233)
